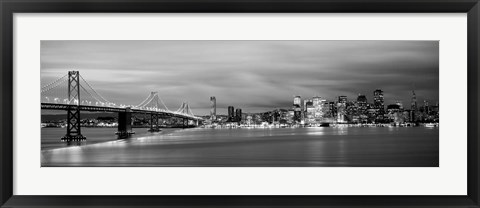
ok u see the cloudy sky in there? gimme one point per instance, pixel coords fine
(252, 75)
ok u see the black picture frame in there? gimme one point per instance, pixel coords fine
(9, 7)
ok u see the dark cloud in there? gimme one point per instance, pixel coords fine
(253, 75)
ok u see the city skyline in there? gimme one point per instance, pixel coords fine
(268, 73)
(405, 104)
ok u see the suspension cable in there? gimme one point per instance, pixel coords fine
(52, 85)
(94, 90)
(98, 100)
(53, 82)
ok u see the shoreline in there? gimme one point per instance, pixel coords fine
(94, 142)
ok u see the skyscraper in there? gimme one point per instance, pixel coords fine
(213, 109)
(378, 102)
(332, 109)
(413, 105)
(238, 115)
(297, 107)
(297, 101)
(362, 99)
(413, 108)
(305, 103)
(362, 104)
(231, 114)
(426, 107)
(399, 103)
(341, 108)
(321, 108)
(309, 111)
(316, 101)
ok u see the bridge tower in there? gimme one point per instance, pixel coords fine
(125, 123)
(154, 122)
(73, 112)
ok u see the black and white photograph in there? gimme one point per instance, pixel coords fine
(239, 103)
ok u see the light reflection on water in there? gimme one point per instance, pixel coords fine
(300, 147)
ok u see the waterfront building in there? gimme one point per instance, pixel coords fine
(392, 112)
(434, 113)
(213, 108)
(320, 109)
(244, 117)
(283, 116)
(266, 117)
(362, 99)
(305, 103)
(406, 115)
(231, 114)
(249, 120)
(290, 116)
(297, 108)
(238, 115)
(309, 112)
(413, 107)
(426, 107)
(257, 118)
(297, 101)
(352, 112)
(327, 111)
(332, 109)
(362, 106)
(399, 103)
(316, 101)
(372, 115)
(378, 101)
(342, 109)
(297, 115)
(362, 102)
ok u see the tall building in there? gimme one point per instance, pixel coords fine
(362, 99)
(297, 108)
(395, 113)
(413, 105)
(342, 109)
(393, 108)
(362, 104)
(309, 112)
(362, 108)
(238, 115)
(332, 109)
(399, 103)
(297, 101)
(320, 108)
(426, 108)
(231, 114)
(316, 101)
(378, 102)
(306, 102)
(213, 109)
(413, 108)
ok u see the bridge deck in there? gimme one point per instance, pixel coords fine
(57, 106)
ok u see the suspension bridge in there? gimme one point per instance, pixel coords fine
(64, 94)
